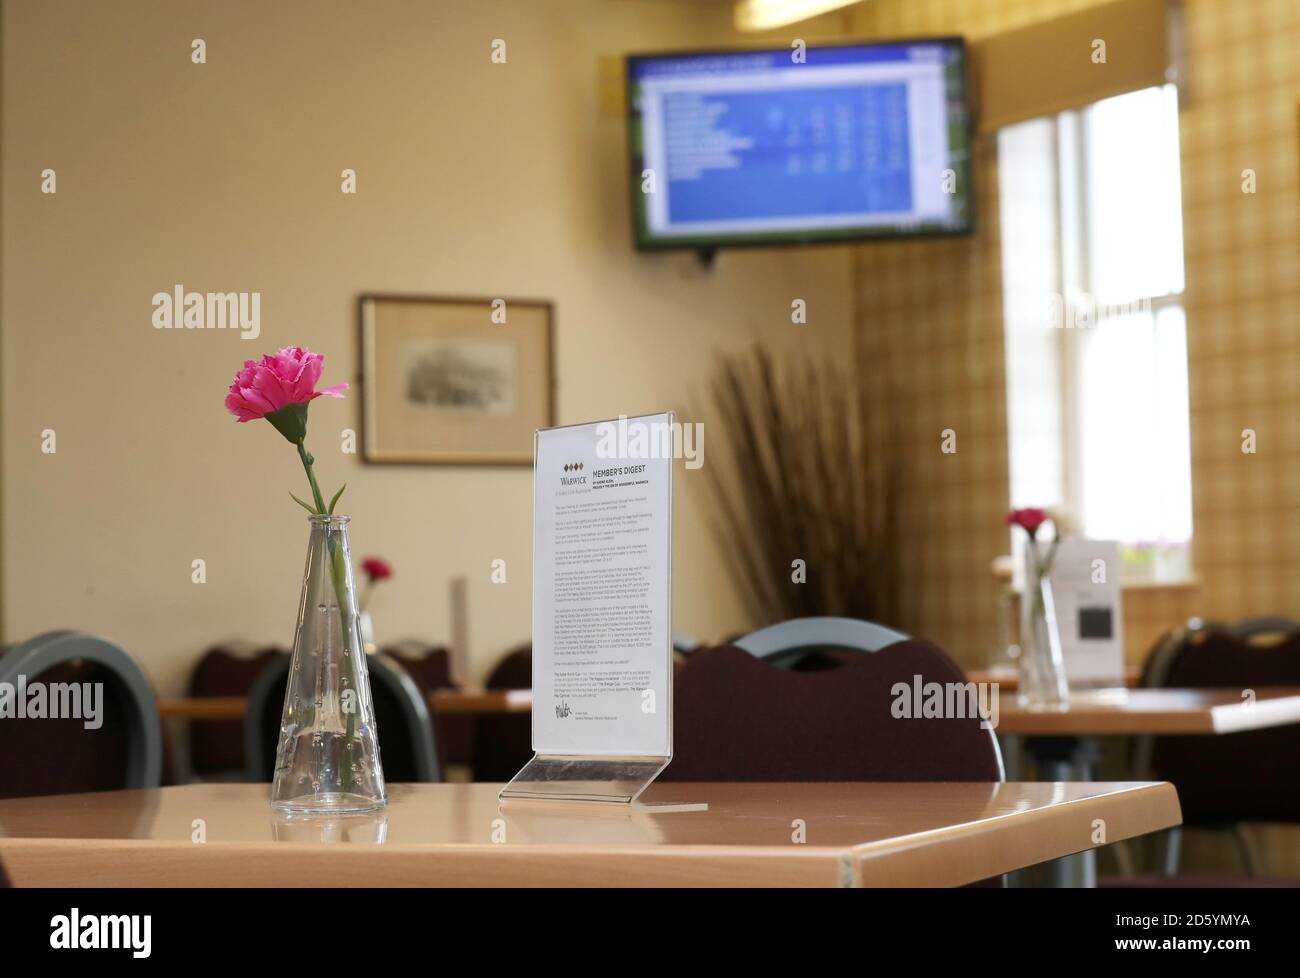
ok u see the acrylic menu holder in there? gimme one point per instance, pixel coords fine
(599, 750)
(577, 778)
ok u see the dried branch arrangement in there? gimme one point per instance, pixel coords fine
(800, 469)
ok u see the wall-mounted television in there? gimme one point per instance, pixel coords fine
(831, 143)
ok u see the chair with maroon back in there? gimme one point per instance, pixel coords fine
(504, 744)
(120, 747)
(739, 718)
(217, 746)
(1228, 779)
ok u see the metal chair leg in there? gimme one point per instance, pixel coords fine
(1173, 843)
(1246, 849)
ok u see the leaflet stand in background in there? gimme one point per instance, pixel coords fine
(602, 614)
(1089, 613)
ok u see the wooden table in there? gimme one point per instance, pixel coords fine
(1065, 743)
(1155, 711)
(446, 701)
(1008, 678)
(920, 834)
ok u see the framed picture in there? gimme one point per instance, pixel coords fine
(455, 381)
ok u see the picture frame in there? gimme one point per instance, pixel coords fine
(455, 380)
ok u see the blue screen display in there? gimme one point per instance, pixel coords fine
(759, 146)
(796, 152)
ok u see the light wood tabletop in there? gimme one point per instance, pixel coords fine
(860, 834)
(1156, 711)
(203, 708)
(444, 701)
(1008, 678)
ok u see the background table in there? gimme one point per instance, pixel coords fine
(445, 701)
(1008, 677)
(1155, 711)
(1065, 744)
(860, 834)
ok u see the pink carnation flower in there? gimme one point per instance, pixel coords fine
(377, 569)
(1028, 519)
(279, 388)
(277, 381)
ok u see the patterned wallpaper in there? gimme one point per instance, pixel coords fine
(930, 314)
(1243, 255)
(930, 325)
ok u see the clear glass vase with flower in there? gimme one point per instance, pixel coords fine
(327, 756)
(1043, 683)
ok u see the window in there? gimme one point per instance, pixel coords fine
(1096, 336)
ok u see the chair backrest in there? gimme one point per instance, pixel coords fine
(684, 644)
(739, 718)
(217, 746)
(60, 755)
(504, 744)
(430, 667)
(406, 737)
(1248, 776)
(514, 670)
(409, 648)
(784, 644)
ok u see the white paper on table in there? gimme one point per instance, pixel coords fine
(1089, 611)
(602, 615)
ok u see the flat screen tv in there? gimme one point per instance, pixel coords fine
(833, 143)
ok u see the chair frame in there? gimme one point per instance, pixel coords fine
(382, 669)
(144, 729)
(784, 641)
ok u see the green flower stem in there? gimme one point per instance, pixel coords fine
(338, 575)
(307, 462)
(339, 572)
(1042, 567)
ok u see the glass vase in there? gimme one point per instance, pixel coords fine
(327, 760)
(1042, 668)
(367, 633)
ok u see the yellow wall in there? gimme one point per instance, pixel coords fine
(1243, 302)
(474, 179)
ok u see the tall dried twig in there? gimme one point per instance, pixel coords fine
(801, 468)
